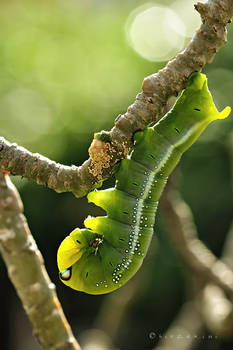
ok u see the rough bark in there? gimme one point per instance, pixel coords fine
(110, 147)
(28, 274)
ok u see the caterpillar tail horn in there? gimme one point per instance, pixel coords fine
(109, 251)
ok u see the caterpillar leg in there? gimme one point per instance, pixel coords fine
(98, 264)
(105, 255)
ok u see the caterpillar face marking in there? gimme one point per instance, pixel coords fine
(65, 275)
(94, 243)
(108, 252)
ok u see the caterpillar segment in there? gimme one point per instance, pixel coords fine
(109, 251)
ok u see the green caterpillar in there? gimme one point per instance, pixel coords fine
(110, 250)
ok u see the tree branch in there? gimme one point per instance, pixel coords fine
(108, 148)
(217, 310)
(18, 161)
(185, 330)
(196, 255)
(28, 274)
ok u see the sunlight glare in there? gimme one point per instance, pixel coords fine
(190, 17)
(156, 33)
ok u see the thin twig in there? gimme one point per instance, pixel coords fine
(215, 276)
(28, 274)
(116, 307)
(109, 147)
(184, 331)
(196, 255)
(217, 310)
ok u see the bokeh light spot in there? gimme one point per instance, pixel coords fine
(27, 115)
(156, 33)
(190, 17)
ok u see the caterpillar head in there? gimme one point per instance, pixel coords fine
(72, 249)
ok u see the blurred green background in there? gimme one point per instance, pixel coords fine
(67, 69)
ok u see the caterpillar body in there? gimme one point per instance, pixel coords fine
(109, 251)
